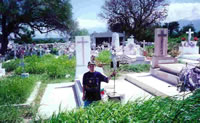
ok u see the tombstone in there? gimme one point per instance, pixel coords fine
(160, 51)
(131, 40)
(83, 50)
(189, 47)
(115, 40)
(2, 70)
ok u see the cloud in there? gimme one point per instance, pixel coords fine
(180, 11)
(91, 23)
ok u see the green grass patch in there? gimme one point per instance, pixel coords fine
(54, 68)
(15, 90)
(135, 68)
(153, 110)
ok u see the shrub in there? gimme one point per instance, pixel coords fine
(11, 65)
(14, 90)
(150, 50)
(135, 68)
(104, 57)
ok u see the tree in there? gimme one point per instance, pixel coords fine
(186, 28)
(23, 17)
(133, 16)
(173, 28)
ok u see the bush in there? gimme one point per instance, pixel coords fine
(104, 57)
(150, 50)
(11, 65)
(135, 68)
(14, 90)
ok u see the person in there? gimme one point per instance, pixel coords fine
(92, 84)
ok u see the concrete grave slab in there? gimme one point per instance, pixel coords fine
(57, 96)
(153, 85)
(129, 90)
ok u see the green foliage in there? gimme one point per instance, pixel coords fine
(14, 90)
(23, 17)
(150, 50)
(153, 110)
(11, 65)
(48, 64)
(135, 68)
(54, 51)
(104, 57)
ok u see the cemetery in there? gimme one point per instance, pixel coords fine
(152, 76)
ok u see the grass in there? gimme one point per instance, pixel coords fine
(14, 89)
(123, 69)
(153, 110)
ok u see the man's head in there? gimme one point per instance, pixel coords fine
(91, 66)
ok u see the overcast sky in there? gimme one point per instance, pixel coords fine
(86, 13)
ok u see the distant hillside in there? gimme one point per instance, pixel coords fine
(196, 23)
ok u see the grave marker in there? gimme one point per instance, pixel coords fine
(160, 51)
(82, 50)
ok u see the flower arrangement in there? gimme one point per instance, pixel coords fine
(183, 38)
(196, 39)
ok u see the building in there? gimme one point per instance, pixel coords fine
(99, 38)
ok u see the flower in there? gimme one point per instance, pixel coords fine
(183, 38)
(196, 39)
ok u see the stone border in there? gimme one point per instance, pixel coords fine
(31, 98)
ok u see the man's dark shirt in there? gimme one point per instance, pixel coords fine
(92, 84)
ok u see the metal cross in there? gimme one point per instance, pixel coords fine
(83, 51)
(162, 35)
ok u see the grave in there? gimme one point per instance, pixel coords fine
(133, 53)
(189, 47)
(160, 52)
(189, 50)
(163, 77)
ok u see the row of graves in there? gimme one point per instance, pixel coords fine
(18, 50)
(165, 76)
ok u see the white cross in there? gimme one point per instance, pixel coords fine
(83, 51)
(189, 34)
(131, 36)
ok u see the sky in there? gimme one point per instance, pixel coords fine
(86, 13)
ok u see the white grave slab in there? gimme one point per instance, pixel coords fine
(83, 50)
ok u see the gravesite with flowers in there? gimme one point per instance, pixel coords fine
(99, 61)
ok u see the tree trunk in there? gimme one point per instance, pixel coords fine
(4, 45)
(4, 36)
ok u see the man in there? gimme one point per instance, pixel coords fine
(92, 84)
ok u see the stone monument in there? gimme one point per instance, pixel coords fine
(160, 51)
(83, 50)
(189, 47)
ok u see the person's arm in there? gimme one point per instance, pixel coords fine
(106, 79)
